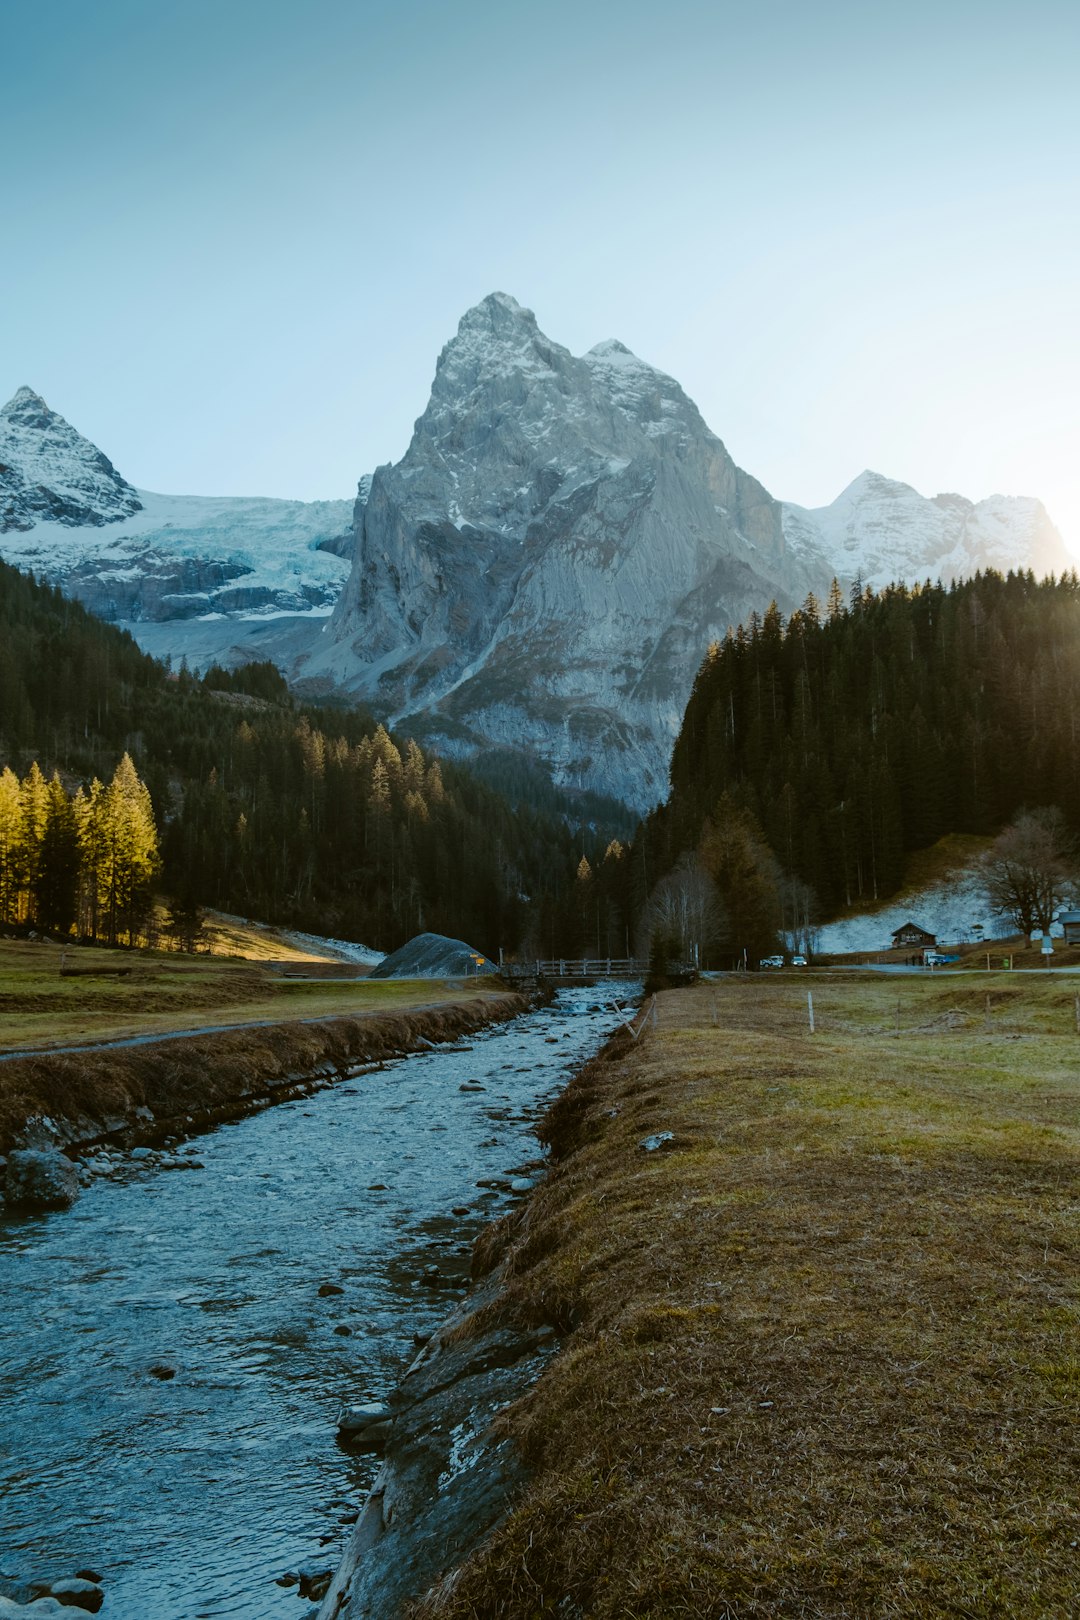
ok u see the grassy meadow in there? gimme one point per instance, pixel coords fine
(823, 1353)
(167, 991)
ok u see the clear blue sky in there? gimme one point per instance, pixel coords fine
(236, 234)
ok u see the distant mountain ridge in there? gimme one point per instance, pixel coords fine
(880, 530)
(543, 568)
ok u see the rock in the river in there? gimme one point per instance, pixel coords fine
(365, 1412)
(326, 1289)
(40, 1178)
(78, 1594)
(37, 1610)
(314, 1581)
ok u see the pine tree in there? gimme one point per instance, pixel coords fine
(11, 846)
(34, 804)
(58, 878)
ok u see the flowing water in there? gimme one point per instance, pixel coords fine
(191, 1494)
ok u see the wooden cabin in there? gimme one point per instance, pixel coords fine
(913, 938)
(1070, 922)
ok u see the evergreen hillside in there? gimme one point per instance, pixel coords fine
(860, 733)
(309, 816)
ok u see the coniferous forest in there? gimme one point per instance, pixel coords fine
(299, 814)
(854, 734)
(831, 745)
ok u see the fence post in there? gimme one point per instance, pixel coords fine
(1078, 1015)
(810, 1009)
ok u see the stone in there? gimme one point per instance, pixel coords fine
(40, 1178)
(355, 1419)
(345, 1332)
(78, 1594)
(521, 1184)
(162, 1371)
(314, 1581)
(142, 1153)
(327, 1289)
(660, 1139)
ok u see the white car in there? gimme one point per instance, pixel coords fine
(771, 962)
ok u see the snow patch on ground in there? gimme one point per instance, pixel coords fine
(955, 909)
(345, 950)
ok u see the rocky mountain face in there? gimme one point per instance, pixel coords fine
(547, 562)
(543, 569)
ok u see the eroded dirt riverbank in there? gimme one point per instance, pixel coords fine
(176, 1086)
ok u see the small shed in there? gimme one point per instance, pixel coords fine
(912, 937)
(1070, 922)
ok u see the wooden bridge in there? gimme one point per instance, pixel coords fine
(576, 970)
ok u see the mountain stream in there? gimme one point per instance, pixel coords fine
(171, 1375)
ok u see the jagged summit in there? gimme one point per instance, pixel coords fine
(544, 564)
(49, 472)
(23, 401)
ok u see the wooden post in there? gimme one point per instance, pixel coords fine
(1078, 1015)
(716, 1013)
(810, 1009)
(988, 1012)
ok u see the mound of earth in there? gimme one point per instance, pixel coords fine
(433, 956)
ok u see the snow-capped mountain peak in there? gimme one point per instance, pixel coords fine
(49, 472)
(879, 530)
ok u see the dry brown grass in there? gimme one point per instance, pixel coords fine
(824, 1357)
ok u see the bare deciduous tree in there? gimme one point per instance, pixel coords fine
(1031, 869)
(684, 908)
(799, 915)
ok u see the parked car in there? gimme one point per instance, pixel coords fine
(798, 961)
(771, 962)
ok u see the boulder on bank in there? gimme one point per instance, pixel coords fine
(433, 956)
(40, 1178)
